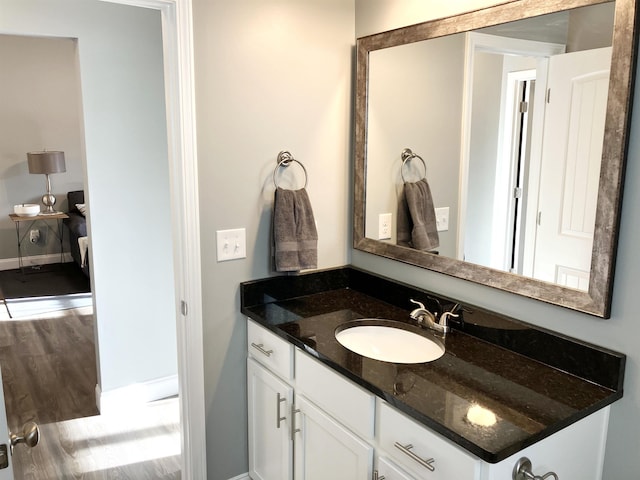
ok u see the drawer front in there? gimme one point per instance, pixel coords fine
(421, 452)
(272, 351)
(342, 399)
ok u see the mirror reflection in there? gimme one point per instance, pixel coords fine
(505, 126)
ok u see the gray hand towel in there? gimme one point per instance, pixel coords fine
(416, 224)
(294, 231)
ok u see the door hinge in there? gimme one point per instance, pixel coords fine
(184, 308)
(4, 456)
(548, 95)
(524, 106)
(539, 219)
(517, 192)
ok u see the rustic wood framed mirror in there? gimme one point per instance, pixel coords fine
(452, 91)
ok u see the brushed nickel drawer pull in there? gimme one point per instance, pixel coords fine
(280, 400)
(406, 449)
(294, 430)
(260, 348)
(376, 476)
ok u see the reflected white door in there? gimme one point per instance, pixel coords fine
(5, 473)
(570, 170)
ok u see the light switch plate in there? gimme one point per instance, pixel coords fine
(442, 219)
(231, 244)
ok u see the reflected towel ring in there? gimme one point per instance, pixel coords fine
(284, 160)
(407, 155)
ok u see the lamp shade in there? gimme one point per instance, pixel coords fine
(46, 162)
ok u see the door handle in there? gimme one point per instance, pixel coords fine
(30, 436)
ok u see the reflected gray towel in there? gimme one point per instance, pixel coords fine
(294, 231)
(416, 226)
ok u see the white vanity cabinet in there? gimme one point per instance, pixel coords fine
(308, 422)
(270, 443)
(270, 399)
(421, 452)
(325, 449)
(385, 469)
(282, 422)
(574, 453)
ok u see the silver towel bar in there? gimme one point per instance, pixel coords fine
(284, 160)
(407, 155)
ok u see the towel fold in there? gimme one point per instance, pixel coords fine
(294, 231)
(416, 225)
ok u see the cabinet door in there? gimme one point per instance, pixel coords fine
(575, 452)
(270, 444)
(387, 470)
(324, 449)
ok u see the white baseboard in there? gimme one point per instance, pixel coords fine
(31, 260)
(115, 400)
(244, 476)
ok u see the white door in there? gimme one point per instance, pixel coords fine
(5, 473)
(270, 443)
(324, 449)
(29, 436)
(571, 156)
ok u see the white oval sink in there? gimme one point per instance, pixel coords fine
(388, 343)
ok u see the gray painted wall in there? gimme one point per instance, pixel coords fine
(274, 75)
(40, 98)
(621, 332)
(270, 75)
(127, 179)
(400, 105)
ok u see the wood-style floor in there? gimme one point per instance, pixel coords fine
(49, 376)
(48, 367)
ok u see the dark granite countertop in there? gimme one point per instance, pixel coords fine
(536, 382)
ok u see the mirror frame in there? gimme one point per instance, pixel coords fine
(597, 300)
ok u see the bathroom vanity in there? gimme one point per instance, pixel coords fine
(503, 391)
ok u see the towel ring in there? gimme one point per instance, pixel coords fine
(407, 155)
(284, 160)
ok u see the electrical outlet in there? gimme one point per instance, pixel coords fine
(384, 226)
(442, 219)
(231, 244)
(34, 236)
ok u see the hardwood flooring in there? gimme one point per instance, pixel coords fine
(49, 376)
(142, 444)
(49, 367)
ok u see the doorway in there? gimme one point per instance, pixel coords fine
(176, 32)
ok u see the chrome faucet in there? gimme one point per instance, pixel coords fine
(425, 318)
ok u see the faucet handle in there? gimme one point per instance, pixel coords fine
(451, 313)
(420, 304)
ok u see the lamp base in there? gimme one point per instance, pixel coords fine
(48, 200)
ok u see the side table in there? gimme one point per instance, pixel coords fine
(19, 220)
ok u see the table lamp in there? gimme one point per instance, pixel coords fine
(47, 163)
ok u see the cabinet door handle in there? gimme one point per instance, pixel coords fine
(406, 449)
(260, 348)
(376, 476)
(280, 400)
(294, 430)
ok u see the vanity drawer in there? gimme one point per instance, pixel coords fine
(411, 445)
(270, 350)
(345, 401)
